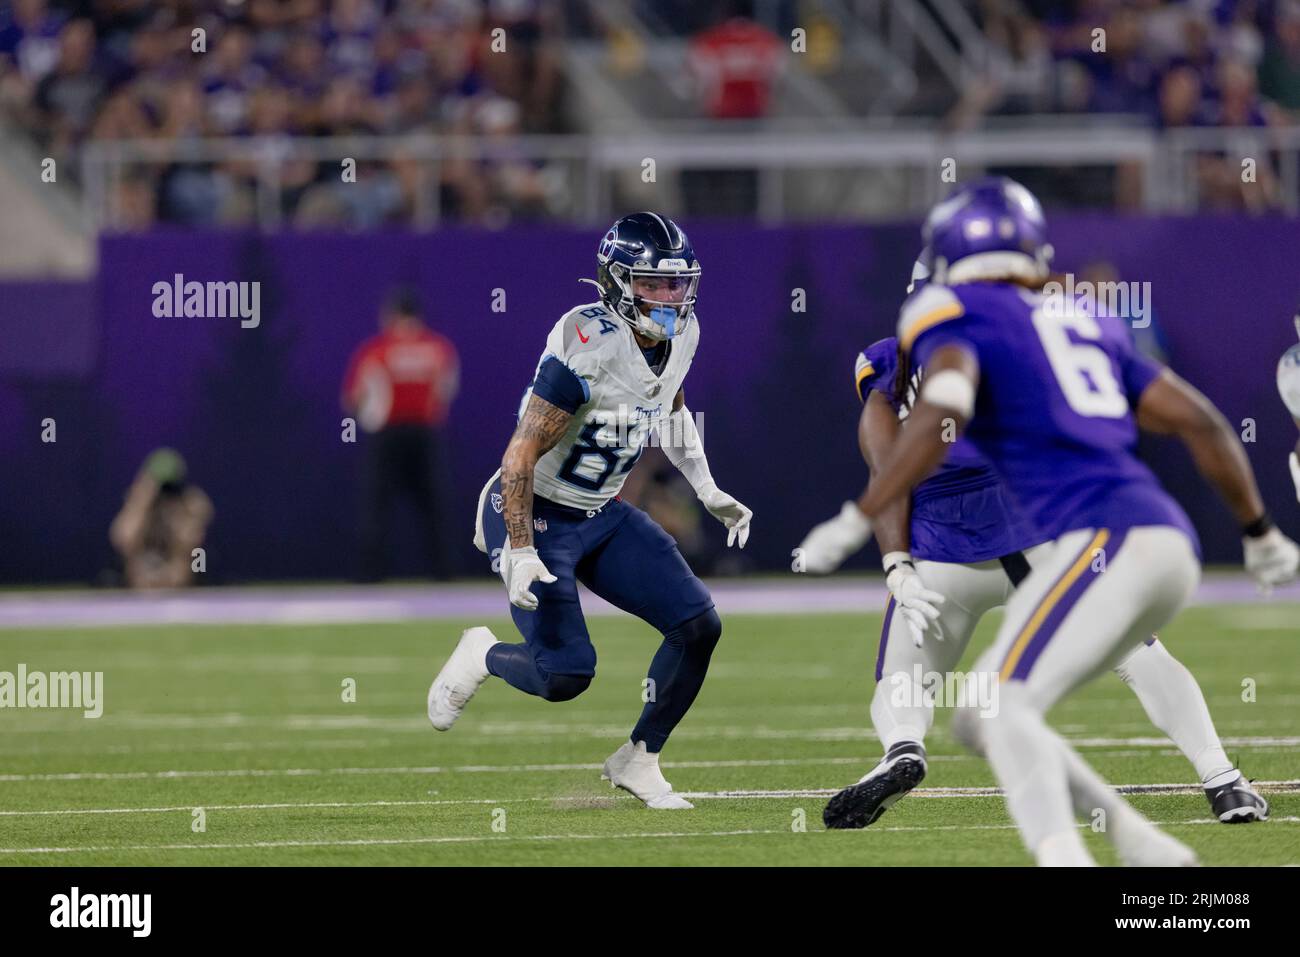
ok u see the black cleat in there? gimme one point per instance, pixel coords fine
(1237, 802)
(861, 804)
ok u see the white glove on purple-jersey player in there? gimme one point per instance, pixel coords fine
(912, 599)
(828, 544)
(1272, 558)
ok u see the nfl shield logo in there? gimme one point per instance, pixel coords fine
(497, 502)
(539, 524)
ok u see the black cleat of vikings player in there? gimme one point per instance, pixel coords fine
(1237, 802)
(861, 804)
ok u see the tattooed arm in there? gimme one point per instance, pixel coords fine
(541, 426)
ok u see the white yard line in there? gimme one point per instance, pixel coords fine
(379, 842)
(456, 769)
(476, 839)
(943, 792)
(1260, 742)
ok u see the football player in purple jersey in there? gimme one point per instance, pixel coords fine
(958, 537)
(1053, 397)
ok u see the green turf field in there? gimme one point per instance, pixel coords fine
(248, 724)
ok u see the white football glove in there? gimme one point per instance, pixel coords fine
(729, 512)
(826, 546)
(1272, 559)
(912, 599)
(1294, 461)
(520, 567)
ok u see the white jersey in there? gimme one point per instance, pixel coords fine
(1288, 380)
(625, 403)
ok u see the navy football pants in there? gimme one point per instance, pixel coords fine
(620, 554)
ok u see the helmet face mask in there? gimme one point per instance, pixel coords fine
(648, 275)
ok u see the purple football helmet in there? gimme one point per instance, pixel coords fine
(991, 229)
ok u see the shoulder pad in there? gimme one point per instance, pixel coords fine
(926, 308)
(863, 370)
(875, 363)
(584, 329)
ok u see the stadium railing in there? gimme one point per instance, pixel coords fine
(592, 174)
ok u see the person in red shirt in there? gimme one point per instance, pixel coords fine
(735, 63)
(400, 385)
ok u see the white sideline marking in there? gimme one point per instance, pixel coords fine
(386, 842)
(942, 792)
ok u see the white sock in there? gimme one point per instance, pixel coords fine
(1173, 701)
(1029, 766)
(1121, 824)
(899, 710)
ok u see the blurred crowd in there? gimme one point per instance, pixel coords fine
(1197, 64)
(1180, 63)
(82, 70)
(73, 71)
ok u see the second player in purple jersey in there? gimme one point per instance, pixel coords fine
(961, 513)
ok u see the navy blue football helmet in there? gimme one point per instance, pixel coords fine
(992, 229)
(647, 273)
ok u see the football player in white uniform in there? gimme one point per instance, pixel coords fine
(1288, 384)
(610, 377)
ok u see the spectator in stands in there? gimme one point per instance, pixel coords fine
(1279, 69)
(735, 64)
(1237, 102)
(29, 48)
(1123, 80)
(230, 77)
(400, 385)
(165, 517)
(1220, 174)
(69, 96)
(1279, 72)
(1180, 98)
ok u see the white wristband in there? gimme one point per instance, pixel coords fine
(895, 558)
(950, 390)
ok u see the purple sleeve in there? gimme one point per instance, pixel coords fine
(875, 369)
(1136, 370)
(1139, 372)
